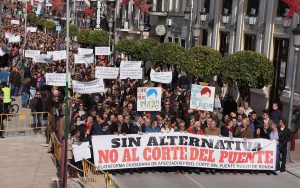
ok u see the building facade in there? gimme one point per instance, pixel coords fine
(227, 26)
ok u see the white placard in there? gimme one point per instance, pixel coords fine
(129, 64)
(32, 29)
(161, 77)
(7, 35)
(56, 79)
(14, 39)
(58, 55)
(42, 58)
(81, 151)
(85, 51)
(15, 22)
(1, 52)
(202, 98)
(95, 86)
(31, 53)
(148, 99)
(132, 73)
(102, 51)
(83, 59)
(107, 72)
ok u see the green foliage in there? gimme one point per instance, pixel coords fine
(203, 62)
(128, 47)
(144, 49)
(248, 69)
(73, 31)
(92, 38)
(32, 18)
(44, 23)
(168, 53)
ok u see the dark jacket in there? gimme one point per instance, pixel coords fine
(15, 78)
(126, 128)
(284, 137)
(33, 105)
(276, 116)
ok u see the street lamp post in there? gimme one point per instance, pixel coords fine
(296, 36)
(25, 20)
(110, 25)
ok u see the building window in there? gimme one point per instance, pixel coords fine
(281, 8)
(224, 43)
(170, 39)
(250, 42)
(204, 38)
(183, 43)
(281, 51)
(252, 4)
(176, 40)
(206, 5)
(228, 5)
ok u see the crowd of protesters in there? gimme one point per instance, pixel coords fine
(114, 112)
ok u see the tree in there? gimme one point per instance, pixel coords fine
(168, 53)
(32, 18)
(144, 49)
(248, 69)
(203, 62)
(73, 31)
(127, 47)
(92, 38)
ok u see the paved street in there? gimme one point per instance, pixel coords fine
(25, 163)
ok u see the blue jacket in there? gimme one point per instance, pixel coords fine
(150, 129)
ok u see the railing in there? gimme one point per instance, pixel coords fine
(22, 122)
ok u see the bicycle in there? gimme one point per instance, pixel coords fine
(13, 108)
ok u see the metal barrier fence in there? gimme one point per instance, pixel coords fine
(23, 122)
(92, 176)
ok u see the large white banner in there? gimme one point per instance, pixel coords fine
(130, 64)
(83, 59)
(148, 99)
(81, 151)
(32, 29)
(85, 51)
(95, 86)
(202, 98)
(15, 22)
(161, 77)
(58, 55)
(32, 53)
(182, 149)
(14, 39)
(132, 73)
(107, 72)
(42, 58)
(102, 51)
(56, 79)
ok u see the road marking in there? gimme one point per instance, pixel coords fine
(196, 182)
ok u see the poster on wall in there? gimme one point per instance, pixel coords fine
(202, 98)
(148, 99)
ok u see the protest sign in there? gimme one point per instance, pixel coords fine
(56, 79)
(202, 98)
(95, 86)
(83, 59)
(42, 58)
(32, 29)
(161, 77)
(148, 99)
(107, 72)
(85, 51)
(14, 39)
(58, 55)
(130, 64)
(182, 149)
(15, 22)
(102, 51)
(81, 151)
(31, 53)
(7, 35)
(1, 52)
(132, 73)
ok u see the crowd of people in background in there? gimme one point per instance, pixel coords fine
(114, 112)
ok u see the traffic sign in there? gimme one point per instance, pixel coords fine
(58, 28)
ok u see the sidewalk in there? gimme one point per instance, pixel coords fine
(294, 166)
